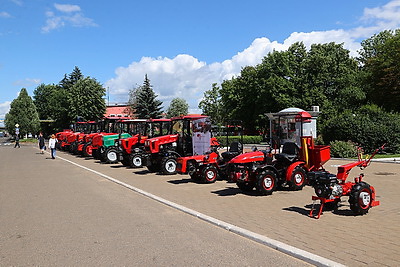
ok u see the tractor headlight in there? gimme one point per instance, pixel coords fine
(174, 144)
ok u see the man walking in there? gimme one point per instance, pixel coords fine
(17, 141)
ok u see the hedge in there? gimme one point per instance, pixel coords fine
(247, 139)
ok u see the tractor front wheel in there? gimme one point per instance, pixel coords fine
(135, 160)
(111, 155)
(266, 182)
(298, 178)
(360, 198)
(168, 165)
(87, 150)
(209, 174)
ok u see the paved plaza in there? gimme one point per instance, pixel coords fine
(369, 240)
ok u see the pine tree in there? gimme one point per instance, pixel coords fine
(144, 101)
(22, 112)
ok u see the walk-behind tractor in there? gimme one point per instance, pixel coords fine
(329, 188)
(289, 168)
(192, 136)
(209, 167)
(131, 149)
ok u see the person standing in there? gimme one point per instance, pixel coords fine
(17, 141)
(52, 145)
(41, 143)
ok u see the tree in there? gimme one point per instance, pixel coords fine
(22, 112)
(86, 100)
(144, 101)
(178, 107)
(381, 69)
(211, 104)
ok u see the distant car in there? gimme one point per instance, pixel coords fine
(30, 135)
(2, 134)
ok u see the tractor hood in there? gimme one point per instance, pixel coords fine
(248, 157)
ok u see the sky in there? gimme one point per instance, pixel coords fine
(183, 46)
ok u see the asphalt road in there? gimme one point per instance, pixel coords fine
(53, 213)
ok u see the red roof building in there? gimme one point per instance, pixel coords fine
(117, 111)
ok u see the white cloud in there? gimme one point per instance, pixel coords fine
(27, 82)
(66, 15)
(67, 8)
(4, 108)
(4, 14)
(185, 76)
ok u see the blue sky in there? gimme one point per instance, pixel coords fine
(184, 46)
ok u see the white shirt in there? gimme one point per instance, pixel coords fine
(52, 142)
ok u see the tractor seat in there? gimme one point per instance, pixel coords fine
(290, 152)
(235, 149)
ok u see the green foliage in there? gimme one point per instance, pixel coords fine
(144, 102)
(247, 139)
(86, 100)
(381, 68)
(211, 105)
(324, 76)
(369, 126)
(178, 107)
(342, 149)
(22, 112)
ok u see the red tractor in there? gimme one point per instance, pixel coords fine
(192, 135)
(265, 172)
(131, 149)
(209, 167)
(329, 188)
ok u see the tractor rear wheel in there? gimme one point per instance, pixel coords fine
(111, 155)
(266, 182)
(168, 165)
(135, 160)
(245, 186)
(298, 178)
(360, 198)
(209, 174)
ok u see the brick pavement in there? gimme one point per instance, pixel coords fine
(373, 239)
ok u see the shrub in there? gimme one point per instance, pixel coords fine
(342, 149)
(247, 139)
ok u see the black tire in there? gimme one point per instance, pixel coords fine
(168, 165)
(87, 150)
(135, 160)
(360, 198)
(111, 155)
(245, 186)
(153, 168)
(125, 160)
(266, 182)
(298, 178)
(209, 174)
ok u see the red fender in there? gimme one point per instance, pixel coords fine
(290, 169)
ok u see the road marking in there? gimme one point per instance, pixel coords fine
(282, 247)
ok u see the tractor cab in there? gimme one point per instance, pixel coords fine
(191, 135)
(132, 148)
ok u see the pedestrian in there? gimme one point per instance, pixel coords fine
(41, 143)
(52, 145)
(17, 141)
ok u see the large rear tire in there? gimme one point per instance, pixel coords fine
(168, 165)
(266, 182)
(360, 198)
